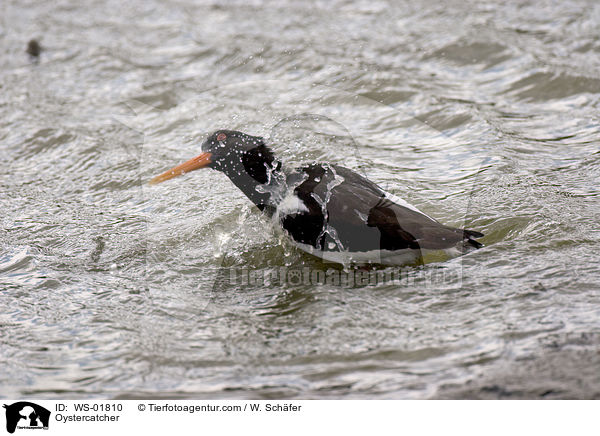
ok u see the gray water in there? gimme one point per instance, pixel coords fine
(482, 114)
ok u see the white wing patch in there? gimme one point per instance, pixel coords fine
(403, 202)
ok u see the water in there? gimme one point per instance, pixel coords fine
(480, 114)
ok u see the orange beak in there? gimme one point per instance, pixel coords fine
(195, 163)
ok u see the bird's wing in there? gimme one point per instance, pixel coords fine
(346, 212)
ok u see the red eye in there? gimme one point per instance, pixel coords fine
(221, 137)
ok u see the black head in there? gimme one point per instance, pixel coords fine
(245, 159)
(235, 152)
(223, 142)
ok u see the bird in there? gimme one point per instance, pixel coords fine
(33, 48)
(327, 210)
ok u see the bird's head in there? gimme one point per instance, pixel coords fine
(234, 153)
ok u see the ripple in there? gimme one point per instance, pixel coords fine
(483, 115)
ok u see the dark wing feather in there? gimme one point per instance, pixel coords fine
(361, 217)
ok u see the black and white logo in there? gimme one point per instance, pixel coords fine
(26, 415)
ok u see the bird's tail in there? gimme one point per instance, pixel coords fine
(470, 236)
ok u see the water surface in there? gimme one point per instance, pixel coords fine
(481, 114)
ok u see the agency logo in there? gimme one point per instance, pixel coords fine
(26, 415)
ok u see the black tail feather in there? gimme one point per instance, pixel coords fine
(470, 236)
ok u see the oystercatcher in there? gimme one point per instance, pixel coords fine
(327, 210)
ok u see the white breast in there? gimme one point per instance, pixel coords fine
(291, 205)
